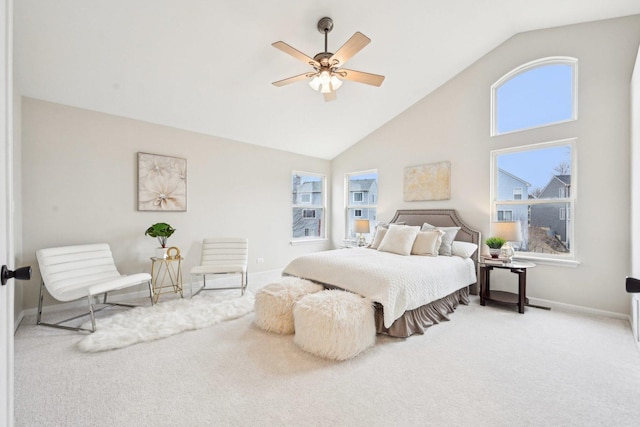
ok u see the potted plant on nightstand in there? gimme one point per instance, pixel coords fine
(162, 231)
(495, 243)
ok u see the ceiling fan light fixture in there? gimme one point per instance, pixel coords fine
(335, 82)
(326, 88)
(315, 83)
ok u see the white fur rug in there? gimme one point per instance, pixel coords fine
(164, 319)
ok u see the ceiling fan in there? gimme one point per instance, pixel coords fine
(328, 74)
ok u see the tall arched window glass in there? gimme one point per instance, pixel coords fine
(539, 93)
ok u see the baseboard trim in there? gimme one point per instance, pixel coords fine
(579, 309)
(18, 321)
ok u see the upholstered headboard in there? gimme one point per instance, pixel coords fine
(441, 218)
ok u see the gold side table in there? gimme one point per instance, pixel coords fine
(166, 276)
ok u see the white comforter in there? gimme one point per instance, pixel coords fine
(399, 283)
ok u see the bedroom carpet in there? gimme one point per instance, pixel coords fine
(488, 366)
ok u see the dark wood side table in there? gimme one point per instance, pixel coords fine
(517, 267)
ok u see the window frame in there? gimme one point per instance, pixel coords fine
(570, 259)
(538, 63)
(361, 193)
(310, 206)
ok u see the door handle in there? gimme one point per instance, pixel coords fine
(22, 273)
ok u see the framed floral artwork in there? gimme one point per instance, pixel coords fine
(162, 183)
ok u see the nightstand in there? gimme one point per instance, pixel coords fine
(502, 297)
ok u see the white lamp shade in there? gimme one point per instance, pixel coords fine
(315, 83)
(508, 230)
(335, 83)
(362, 226)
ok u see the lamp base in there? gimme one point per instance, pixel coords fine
(361, 241)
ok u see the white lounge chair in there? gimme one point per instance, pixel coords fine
(84, 271)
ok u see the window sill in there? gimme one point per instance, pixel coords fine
(556, 262)
(307, 241)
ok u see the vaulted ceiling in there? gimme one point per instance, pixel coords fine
(207, 65)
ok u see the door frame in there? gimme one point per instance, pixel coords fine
(6, 211)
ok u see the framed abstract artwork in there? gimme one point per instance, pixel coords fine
(162, 183)
(427, 182)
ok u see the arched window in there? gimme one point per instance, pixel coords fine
(539, 93)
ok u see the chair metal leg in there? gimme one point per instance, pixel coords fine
(92, 314)
(38, 320)
(150, 291)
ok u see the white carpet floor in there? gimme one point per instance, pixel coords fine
(488, 366)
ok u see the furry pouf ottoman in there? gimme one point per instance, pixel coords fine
(275, 301)
(334, 324)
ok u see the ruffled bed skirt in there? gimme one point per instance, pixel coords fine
(418, 320)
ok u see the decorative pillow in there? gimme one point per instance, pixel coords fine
(378, 235)
(377, 238)
(427, 243)
(449, 234)
(399, 239)
(463, 249)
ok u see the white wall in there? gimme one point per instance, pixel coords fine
(452, 124)
(79, 172)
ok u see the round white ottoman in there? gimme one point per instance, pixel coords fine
(334, 324)
(275, 301)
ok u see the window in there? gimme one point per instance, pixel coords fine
(539, 93)
(505, 215)
(308, 206)
(361, 195)
(543, 213)
(305, 198)
(517, 193)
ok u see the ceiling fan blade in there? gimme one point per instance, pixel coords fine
(361, 77)
(331, 96)
(295, 53)
(350, 48)
(293, 79)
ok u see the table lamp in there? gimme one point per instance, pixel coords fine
(362, 226)
(509, 231)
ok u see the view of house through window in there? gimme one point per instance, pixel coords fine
(545, 174)
(362, 200)
(308, 206)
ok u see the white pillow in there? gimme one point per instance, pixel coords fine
(380, 233)
(399, 239)
(427, 243)
(447, 239)
(463, 249)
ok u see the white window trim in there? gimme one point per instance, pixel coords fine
(355, 213)
(354, 196)
(551, 60)
(323, 206)
(570, 260)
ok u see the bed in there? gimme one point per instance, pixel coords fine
(411, 293)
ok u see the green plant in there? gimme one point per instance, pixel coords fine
(495, 242)
(162, 231)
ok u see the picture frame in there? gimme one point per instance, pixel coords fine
(427, 182)
(162, 183)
